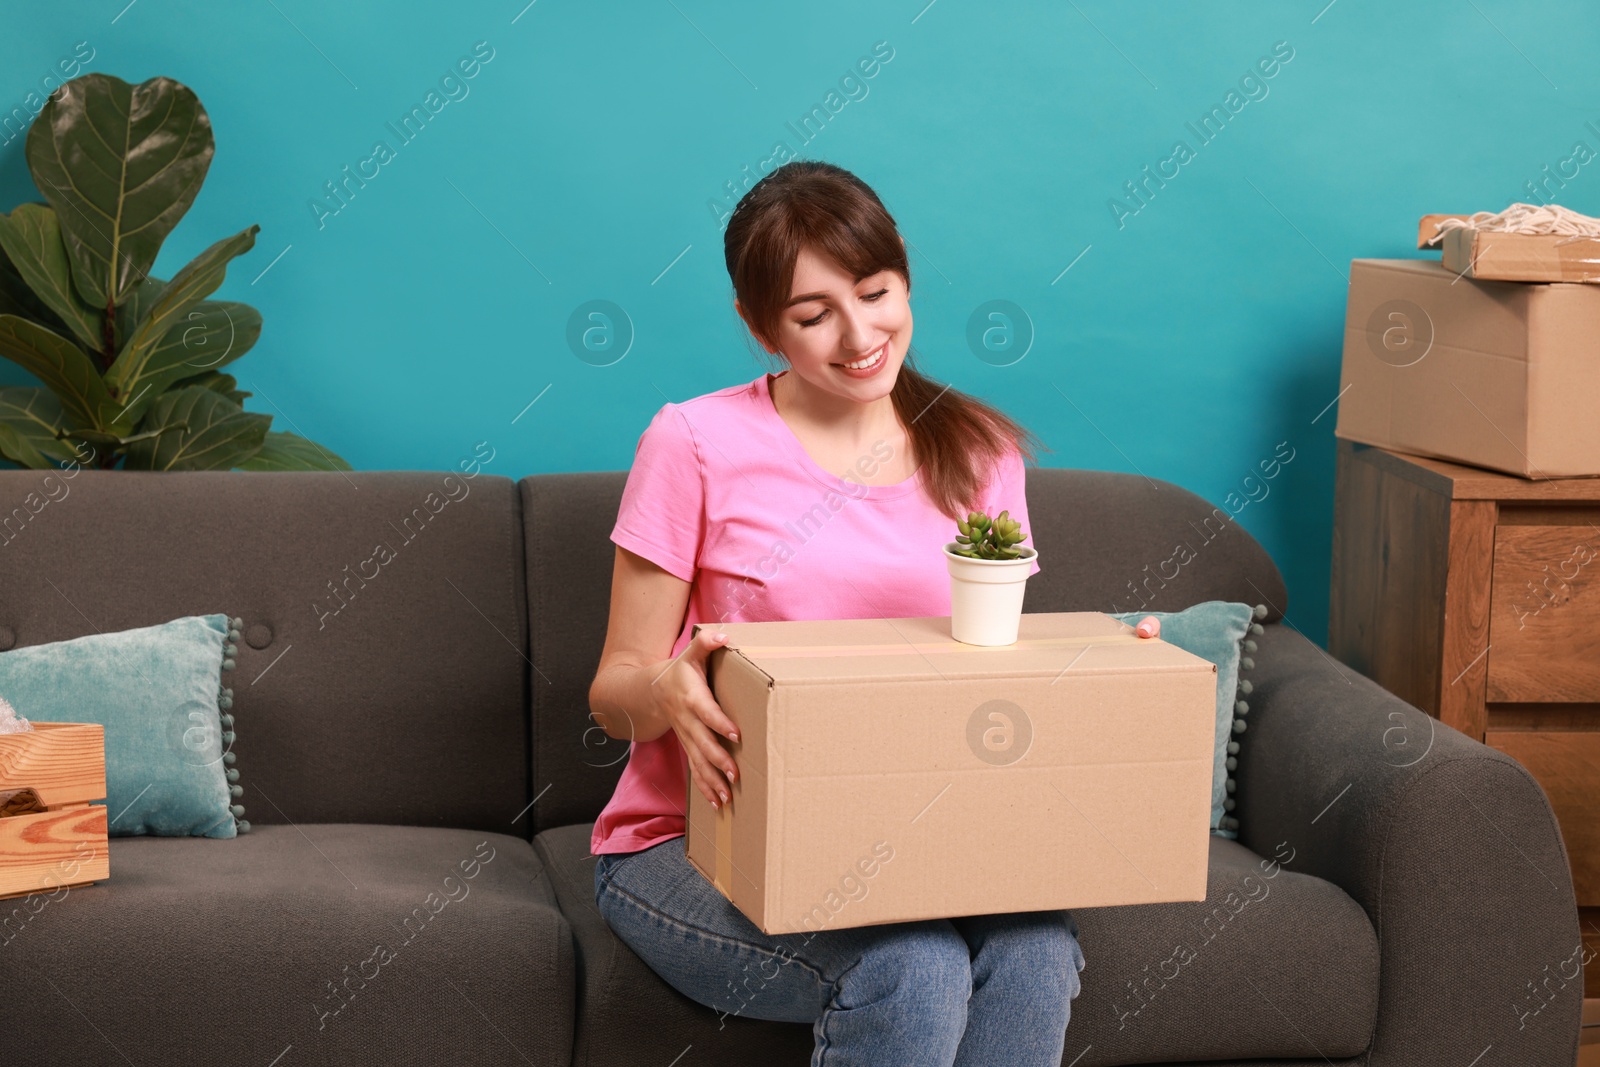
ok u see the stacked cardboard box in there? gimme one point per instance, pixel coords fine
(1459, 366)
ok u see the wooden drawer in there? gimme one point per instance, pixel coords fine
(1566, 765)
(1544, 614)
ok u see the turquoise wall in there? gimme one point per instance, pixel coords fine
(591, 154)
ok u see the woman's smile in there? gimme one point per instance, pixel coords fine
(869, 365)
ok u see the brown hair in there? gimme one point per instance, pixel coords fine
(806, 203)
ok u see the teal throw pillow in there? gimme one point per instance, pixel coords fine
(1219, 631)
(158, 692)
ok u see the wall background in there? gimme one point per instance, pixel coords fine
(587, 158)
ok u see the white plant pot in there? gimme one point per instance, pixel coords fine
(986, 596)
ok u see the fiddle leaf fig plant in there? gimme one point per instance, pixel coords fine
(984, 538)
(129, 362)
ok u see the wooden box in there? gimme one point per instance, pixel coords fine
(65, 845)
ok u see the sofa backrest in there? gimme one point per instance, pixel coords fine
(1108, 541)
(382, 671)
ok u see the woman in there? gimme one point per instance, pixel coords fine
(732, 512)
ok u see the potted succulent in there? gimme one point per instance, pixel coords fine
(988, 574)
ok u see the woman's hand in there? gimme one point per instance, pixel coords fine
(683, 697)
(1149, 626)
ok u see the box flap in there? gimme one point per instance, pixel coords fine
(844, 650)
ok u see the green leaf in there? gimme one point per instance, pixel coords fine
(225, 384)
(211, 334)
(289, 452)
(200, 430)
(120, 164)
(30, 419)
(134, 310)
(133, 370)
(17, 298)
(111, 442)
(62, 366)
(31, 237)
(13, 450)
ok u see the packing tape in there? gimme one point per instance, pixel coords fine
(723, 877)
(905, 648)
(1580, 259)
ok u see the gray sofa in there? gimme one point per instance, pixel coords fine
(1397, 894)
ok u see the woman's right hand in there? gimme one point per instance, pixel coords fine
(683, 697)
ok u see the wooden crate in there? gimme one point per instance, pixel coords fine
(65, 845)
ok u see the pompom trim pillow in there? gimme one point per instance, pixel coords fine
(169, 727)
(1219, 631)
(1241, 708)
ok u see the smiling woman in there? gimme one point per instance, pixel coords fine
(820, 277)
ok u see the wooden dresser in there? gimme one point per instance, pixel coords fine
(1475, 596)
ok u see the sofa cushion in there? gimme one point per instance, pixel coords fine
(569, 599)
(198, 951)
(628, 1015)
(384, 639)
(1272, 964)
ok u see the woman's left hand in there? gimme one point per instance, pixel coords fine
(1149, 626)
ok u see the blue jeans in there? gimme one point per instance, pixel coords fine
(972, 991)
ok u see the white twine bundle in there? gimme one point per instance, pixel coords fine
(1525, 218)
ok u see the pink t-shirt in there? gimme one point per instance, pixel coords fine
(723, 495)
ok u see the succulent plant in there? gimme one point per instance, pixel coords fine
(984, 538)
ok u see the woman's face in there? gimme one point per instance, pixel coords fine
(833, 319)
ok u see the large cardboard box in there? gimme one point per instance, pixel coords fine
(1503, 375)
(889, 773)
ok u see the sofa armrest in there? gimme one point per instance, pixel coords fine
(1450, 846)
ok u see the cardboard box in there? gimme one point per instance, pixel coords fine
(1496, 374)
(65, 845)
(1522, 257)
(889, 773)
